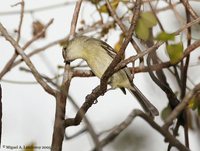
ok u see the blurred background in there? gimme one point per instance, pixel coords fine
(28, 112)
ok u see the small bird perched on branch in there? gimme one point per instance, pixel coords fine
(98, 56)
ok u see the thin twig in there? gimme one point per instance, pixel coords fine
(75, 18)
(181, 106)
(99, 90)
(190, 9)
(38, 35)
(123, 27)
(76, 134)
(109, 71)
(21, 20)
(28, 62)
(89, 126)
(11, 63)
(61, 100)
(184, 75)
(38, 50)
(61, 96)
(138, 113)
(184, 27)
(158, 44)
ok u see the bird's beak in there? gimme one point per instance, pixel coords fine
(67, 61)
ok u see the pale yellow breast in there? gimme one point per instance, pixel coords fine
(99, 60)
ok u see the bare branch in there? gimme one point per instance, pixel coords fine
(109, 71)
(11, 63)
(75, 18)
(61, 97)
(137, 113)
(190, 9)
(123, 27)
(89, 126)
(181, 106)
(21, 19)
(37, 76)
(187, 26)
(38, 50)
(99, 90)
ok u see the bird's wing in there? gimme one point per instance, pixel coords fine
(128, 73)
(111, 52)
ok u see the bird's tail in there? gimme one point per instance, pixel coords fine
(144, 102)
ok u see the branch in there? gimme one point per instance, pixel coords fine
(123, 63)
(38, 50)
(158, 44)
(138, 69)
(89, 127)
(11, 63)
(61, 96)
(188, 25)
(76, 134)
(122, 26)
(174, 114)
(109, 71)
(38, 35)
(28, 62)
(135, 113)
(99, 90)
(21, 19)
(190, 9)
(75, 18)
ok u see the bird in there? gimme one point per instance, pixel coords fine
(99, 55)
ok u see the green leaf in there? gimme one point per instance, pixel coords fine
(149, 19)
(95, 1)
(163, 36)
(141, 30)
(193, 103)
(166, 112)
(146, 21)
(104, 9)
(175, 52)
